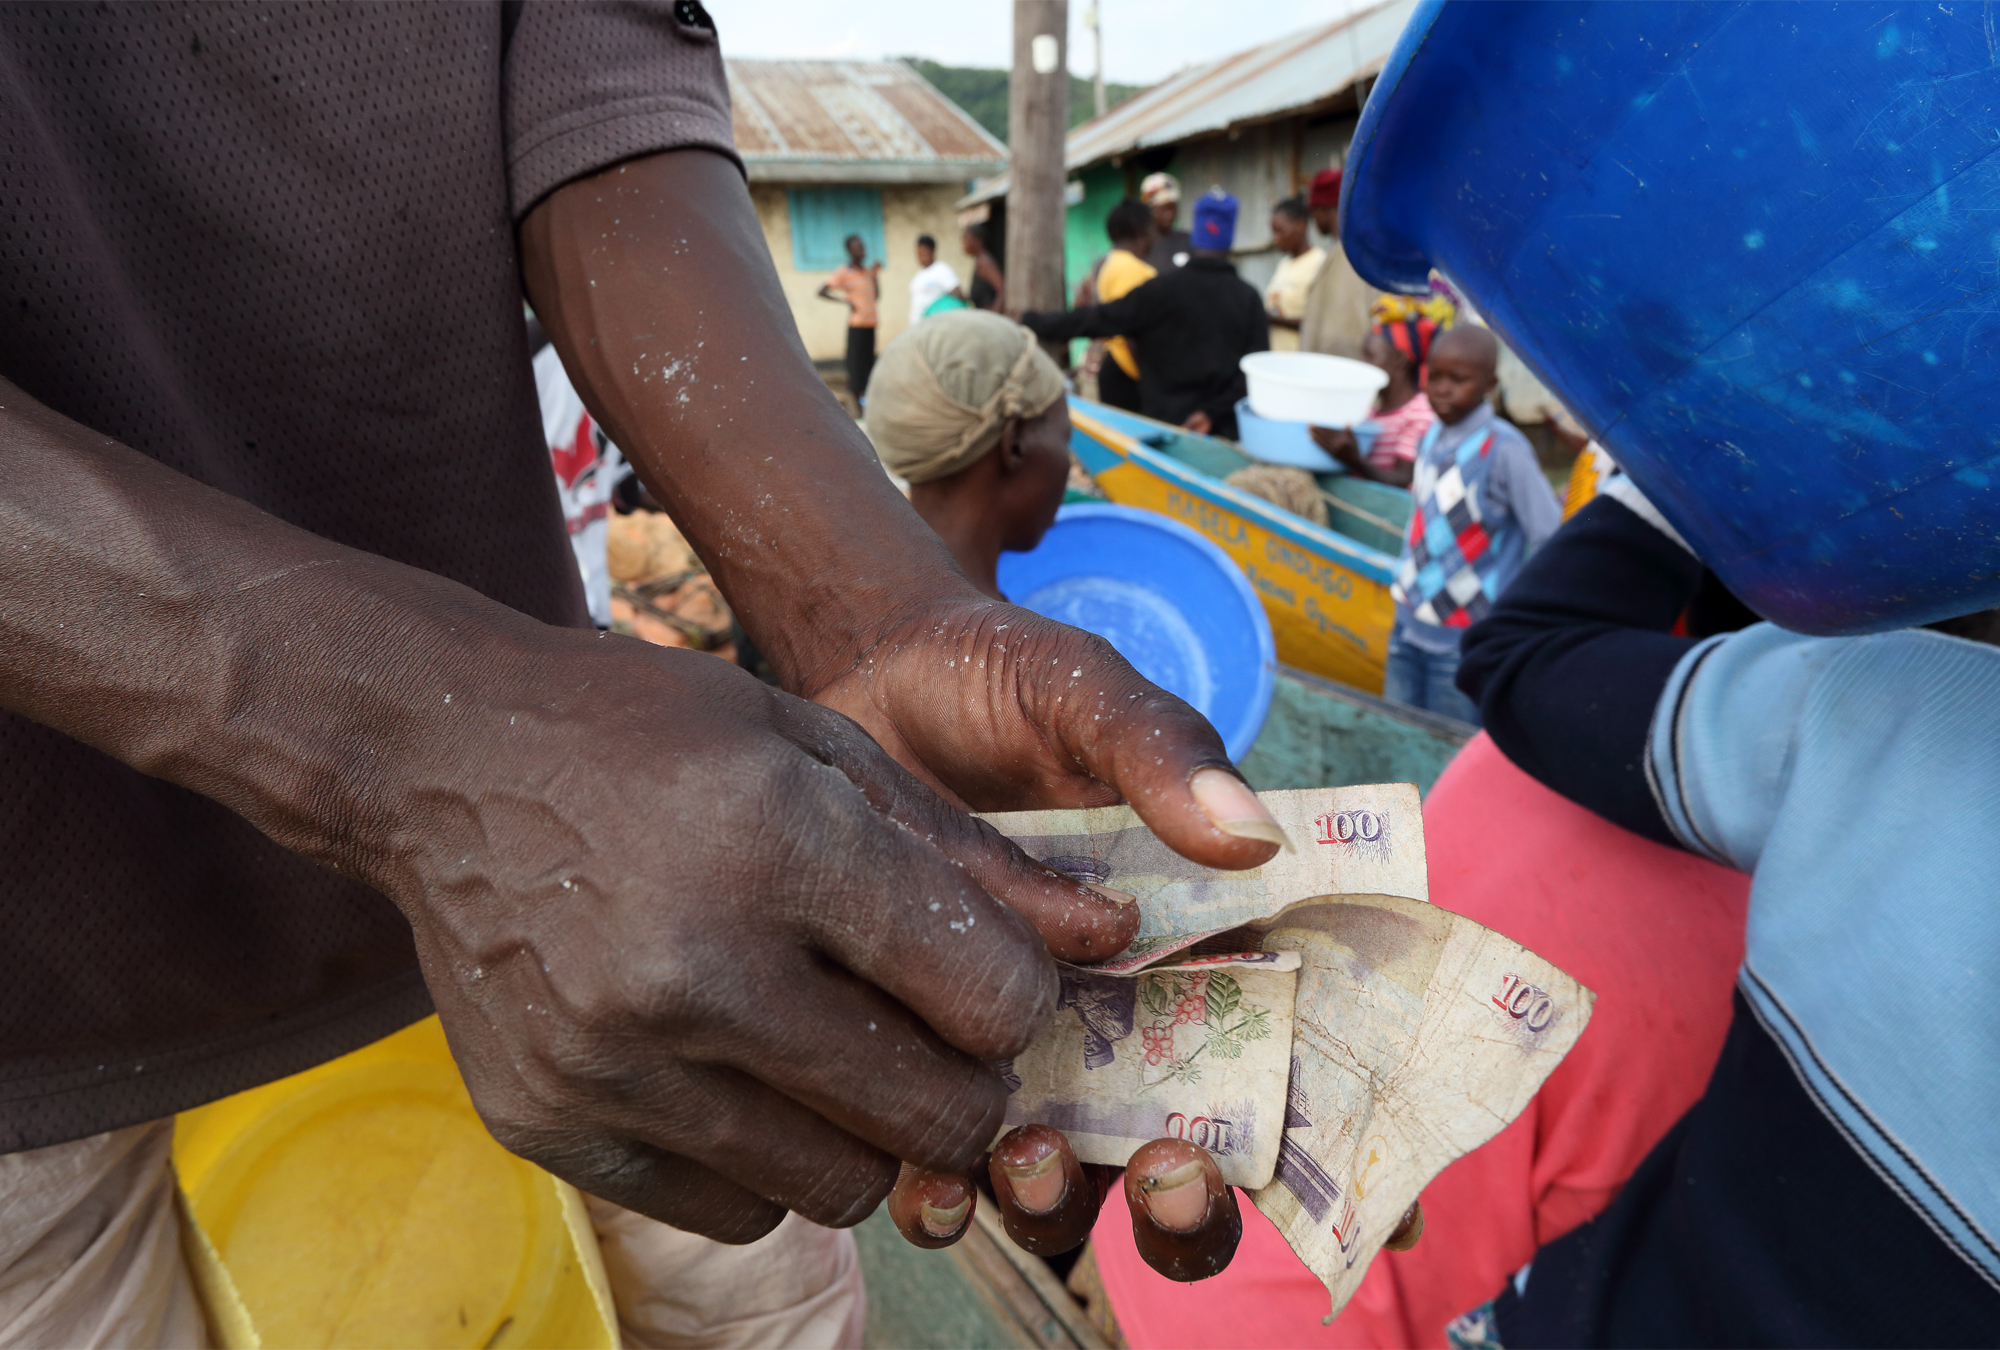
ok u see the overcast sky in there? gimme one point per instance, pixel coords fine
(1144, 40)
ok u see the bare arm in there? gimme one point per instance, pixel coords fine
(1340, 443)
(688, 353)
(984, 266)
(582, 830)
(556, 813)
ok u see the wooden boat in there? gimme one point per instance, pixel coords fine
(1326, 590)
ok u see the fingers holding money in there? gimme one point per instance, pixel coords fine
(1184, 1219)
(932, 1209)
(1408, 1230)
(1046, 1200)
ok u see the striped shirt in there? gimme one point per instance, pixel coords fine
(1399, 432)
(858, 285)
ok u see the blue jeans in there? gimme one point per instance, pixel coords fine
(1423, 679)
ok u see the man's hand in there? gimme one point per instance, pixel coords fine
(1198, 422)
(700, 947)
(1003, 710)
(854, 600)
(687, 353)
(716, 966)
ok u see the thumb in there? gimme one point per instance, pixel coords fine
(1161, 755)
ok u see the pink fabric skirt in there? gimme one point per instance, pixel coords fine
(1657, 933)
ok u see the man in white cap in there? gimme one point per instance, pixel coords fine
(1171, 247)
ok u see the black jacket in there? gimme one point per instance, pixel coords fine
(1189, 328)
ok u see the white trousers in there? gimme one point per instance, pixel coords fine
(90, 1255)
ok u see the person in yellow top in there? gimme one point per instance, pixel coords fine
(1124, 270)
(1285, 297)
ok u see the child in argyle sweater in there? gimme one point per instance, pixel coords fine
(1481, 505)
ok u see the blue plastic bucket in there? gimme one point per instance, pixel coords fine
(1752, 246)
(1170, 601)
(1291, 443)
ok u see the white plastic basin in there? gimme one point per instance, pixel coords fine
(1327, 391)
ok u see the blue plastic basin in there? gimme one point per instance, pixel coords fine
(1291, 443)
(1170, 601)
(1752, 246)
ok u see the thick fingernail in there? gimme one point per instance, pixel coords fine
(1233, 808)
(1038, 1186)
(940, 1222)
(1408, 1229)
(1177, 1199)
(1116, 897)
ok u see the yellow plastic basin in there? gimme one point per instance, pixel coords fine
(362, 1203)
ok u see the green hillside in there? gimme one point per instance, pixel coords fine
(983, 93)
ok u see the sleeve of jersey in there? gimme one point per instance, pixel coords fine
(1720, 751)
(591, 82)
(1529, 497)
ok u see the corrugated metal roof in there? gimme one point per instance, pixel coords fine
(1288, 73)
(853, 122)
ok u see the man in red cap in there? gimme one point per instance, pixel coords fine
(1337, 307)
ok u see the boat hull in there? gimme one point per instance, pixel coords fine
(1327, 595)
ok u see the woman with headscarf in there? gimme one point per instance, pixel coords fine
(1399, 343)
(969, 410)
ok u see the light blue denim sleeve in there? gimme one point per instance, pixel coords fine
(1724, 738)
(1517, 482)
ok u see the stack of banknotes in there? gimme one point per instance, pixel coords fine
(1332, 1038)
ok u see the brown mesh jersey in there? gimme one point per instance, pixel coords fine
(272, 246)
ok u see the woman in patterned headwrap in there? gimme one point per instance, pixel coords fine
(969, 410)
(1400, 344)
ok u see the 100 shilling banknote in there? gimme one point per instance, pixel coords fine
(1411, 1035)
(1363, 840)
(1197, 1050)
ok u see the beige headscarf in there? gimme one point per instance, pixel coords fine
(943, 390)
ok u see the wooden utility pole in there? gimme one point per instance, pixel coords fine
(1096, 21)
(1037, 119)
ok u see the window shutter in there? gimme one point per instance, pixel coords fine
(822, 218)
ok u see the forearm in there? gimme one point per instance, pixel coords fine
(1397, 474)
(198, 640)
(1569, 666)
(657, 288)
(1092, 321)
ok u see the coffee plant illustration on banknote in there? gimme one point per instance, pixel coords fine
(1192, 1014)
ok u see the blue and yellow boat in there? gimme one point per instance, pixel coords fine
(1326, 590)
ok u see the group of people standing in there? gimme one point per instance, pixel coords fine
(1177, 320)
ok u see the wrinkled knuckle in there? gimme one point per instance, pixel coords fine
(1018, 998)
(524, 1128)
(962, 1124)
(843, 1197)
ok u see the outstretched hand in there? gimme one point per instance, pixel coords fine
(862, 609)
(716, 967)
(1002, 709)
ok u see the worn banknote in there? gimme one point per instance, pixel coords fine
(1414, 1034)
(1417, 1035)
(1197, 1050)
(1365, 840)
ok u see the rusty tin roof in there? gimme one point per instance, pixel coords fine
(853, 122)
